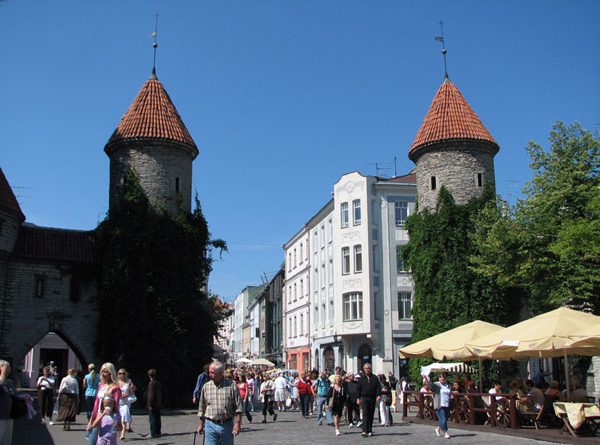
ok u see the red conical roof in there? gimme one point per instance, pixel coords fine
(449, 117)
(8, 201)
(152, 115)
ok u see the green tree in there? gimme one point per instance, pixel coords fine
(448, 292)
(153, 312)
(549, 244)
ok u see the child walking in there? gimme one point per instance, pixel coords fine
(107, 423)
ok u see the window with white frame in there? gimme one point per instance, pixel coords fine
(301, 288)
(322, 245)
(316, 280)
(295, 326)
(290, 261)
(330, 272)
(301, 253)
(316, 318)
(353, 306)
(345, 217)
(401, 212)
(315, 241)
(295, 292)
(400, 266)
(295, 258)
(323, 315)
(301, 333)
(331, 315)
(289, 297)
(357, 258)
(345, 260)
(405, 302)
(322, 276)
(290, 327)
(356, 215)
(330, 230)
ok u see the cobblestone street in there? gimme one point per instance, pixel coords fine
(289, 429)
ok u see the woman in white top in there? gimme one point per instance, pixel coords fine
(294, 395)
(127, 398)
(68, 396)
(45, 386)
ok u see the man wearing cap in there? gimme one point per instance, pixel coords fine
(321, 389)
(370, 393)
(220, 408)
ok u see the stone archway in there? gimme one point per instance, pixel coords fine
(78, 329)
(328, 358)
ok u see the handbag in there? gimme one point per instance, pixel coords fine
(18, 408)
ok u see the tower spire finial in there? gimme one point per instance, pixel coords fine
(444, 50)
(154, 45)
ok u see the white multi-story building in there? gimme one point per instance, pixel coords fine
(373, 289)
(360, 292)
(296, 302)
(325, 346)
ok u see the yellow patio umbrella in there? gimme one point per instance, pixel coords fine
(450, 345)
(589, 339)
(547, 335)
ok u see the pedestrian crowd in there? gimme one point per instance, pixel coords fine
(224, 396)
(106, 397)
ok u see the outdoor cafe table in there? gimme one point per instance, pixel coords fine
(575, 415)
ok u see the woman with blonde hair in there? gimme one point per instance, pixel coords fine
(109, 387)
(90, 386)
(336, 400)
(7, 390)
(127, 398)
(68, 396)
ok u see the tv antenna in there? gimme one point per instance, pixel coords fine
(441, 39)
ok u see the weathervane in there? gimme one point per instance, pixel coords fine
(154, 43)
(444, 50)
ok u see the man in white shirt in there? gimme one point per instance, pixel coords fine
(281, 385)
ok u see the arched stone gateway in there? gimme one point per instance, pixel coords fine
(46, 284)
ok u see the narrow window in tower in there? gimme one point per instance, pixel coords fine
(177, 184)
(40, 286)
(479, 179)
(433, 183)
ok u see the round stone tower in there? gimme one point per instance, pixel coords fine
(153, 140)
(452, 149)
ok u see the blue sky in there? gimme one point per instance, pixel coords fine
(281, 96)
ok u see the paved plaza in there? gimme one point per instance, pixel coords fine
(289, 429)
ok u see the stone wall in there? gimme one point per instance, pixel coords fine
(455, 166)
(9, 228)
(28, 318)
(157, 165)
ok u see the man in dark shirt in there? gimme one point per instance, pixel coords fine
(202, 379)
(369, 390)
(153, 402)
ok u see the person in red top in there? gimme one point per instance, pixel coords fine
(242, 386)
(305, 391)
